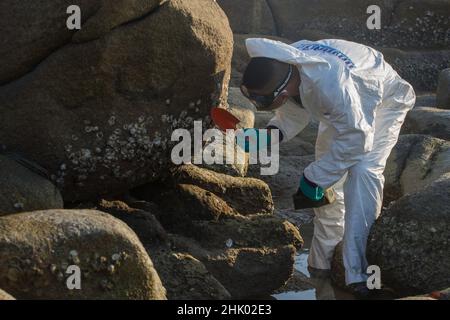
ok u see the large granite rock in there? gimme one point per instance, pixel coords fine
(36, 249)
(183, 276)
(5, 296)
(250, 16)
(419, 67)
(443, 89)
(140, 218)
(246, 272)
(96, 108)
(285, 183)
(410, 240)
(226, 223)
(24, 188)
(416, 161)
(236, 98)
(426, 100)
(245, 195)
(337, 267)
(434, 122)
(187, 278)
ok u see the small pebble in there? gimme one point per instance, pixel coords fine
(53, 268)
(73, 253)
(60, 276)
(13, 274)
(18, 205)
(111, 269)
(115, 257)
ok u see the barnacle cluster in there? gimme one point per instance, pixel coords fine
(120, 149)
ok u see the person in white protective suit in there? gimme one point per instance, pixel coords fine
(361, 103)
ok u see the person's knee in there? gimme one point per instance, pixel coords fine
(366, 169)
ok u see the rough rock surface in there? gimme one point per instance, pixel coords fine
(208, 218)
(251, 231)
(286, 182)
(244, 271)
(246, 195)
(337, 267)
(258, 15)
(109, 127)
(142, 222)
(410, 240)
(183, 276)
(434, 122)
(186, 203)
(416, 160)
(419, 67)
(187, 278)
(5, 296)
(236, 98)
(37, 247)
(443, 90)
(22, 189)
(426, 100)
(22, 48)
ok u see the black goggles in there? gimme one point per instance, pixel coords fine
(264, 102)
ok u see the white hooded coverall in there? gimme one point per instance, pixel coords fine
(361, 103)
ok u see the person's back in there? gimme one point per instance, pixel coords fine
(358, 57)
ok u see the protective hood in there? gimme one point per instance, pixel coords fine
(260, 47)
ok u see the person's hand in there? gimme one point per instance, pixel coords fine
(253, 139)
(309, 195)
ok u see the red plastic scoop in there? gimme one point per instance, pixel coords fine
(223, 119)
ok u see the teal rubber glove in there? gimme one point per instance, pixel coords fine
(309, 195)
(311, 190)
(254, 137)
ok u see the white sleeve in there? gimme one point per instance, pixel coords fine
(354, 136)
(291, 119)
